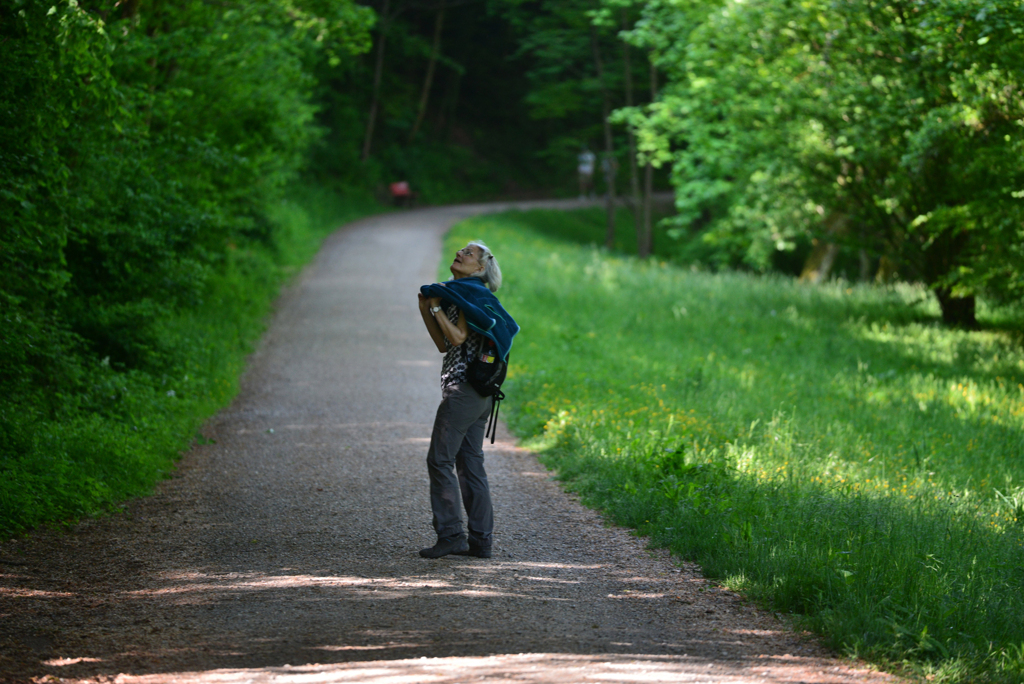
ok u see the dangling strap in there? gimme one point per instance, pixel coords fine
(492, 425)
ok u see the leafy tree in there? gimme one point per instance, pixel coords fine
(142, 147)
(621, 14)
(889, 126)
(579, 70)
(141, 142)
(54, 68)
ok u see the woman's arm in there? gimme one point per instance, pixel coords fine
(456, 333)
(433, 328)
(440, 327)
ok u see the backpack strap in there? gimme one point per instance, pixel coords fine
(492, 425)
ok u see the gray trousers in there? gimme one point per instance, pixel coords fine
(455, 462)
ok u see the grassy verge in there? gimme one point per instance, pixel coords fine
(587, 227)
(124, 430)
(831, 451)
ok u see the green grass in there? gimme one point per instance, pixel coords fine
(587, 227)
(831, 451)
(123, 431)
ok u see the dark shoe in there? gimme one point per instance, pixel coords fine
(478, 551)
(445, 546)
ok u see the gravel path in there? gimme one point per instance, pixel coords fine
(285, 551)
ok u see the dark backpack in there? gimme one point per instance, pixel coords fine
(486, 373)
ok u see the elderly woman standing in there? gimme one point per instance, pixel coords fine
(466, 323)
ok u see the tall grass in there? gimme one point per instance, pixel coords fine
(123, 431)
(832, 451)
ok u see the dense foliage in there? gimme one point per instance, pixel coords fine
(439, 101)
(579, 70)
(561, 50)
(143, 154)
(834, 452)
(896, 128)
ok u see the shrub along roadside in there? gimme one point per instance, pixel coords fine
(123, 429)
(833, 452)
(145, 152)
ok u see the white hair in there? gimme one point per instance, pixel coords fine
(491, 273)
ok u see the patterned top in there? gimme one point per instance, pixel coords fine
(453, 368)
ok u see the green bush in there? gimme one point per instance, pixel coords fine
(145, 152)
(116, 431)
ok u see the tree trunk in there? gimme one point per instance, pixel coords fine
(886, 272)
(378, 70)
(634, 176)
(429, 80)
(818, 266)
(608, 163)
(648, 242)
(941, 258)
(865, 265)
(644, 248)
(958, 312)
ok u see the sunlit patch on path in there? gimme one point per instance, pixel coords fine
(521, 667)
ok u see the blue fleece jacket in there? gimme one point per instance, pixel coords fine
(483, 311)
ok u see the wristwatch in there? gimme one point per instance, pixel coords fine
(434, 310)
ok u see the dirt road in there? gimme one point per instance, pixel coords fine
(286, 551)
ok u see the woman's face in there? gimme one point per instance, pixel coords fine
(467, 262)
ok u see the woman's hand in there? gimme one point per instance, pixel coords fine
(427, 303)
